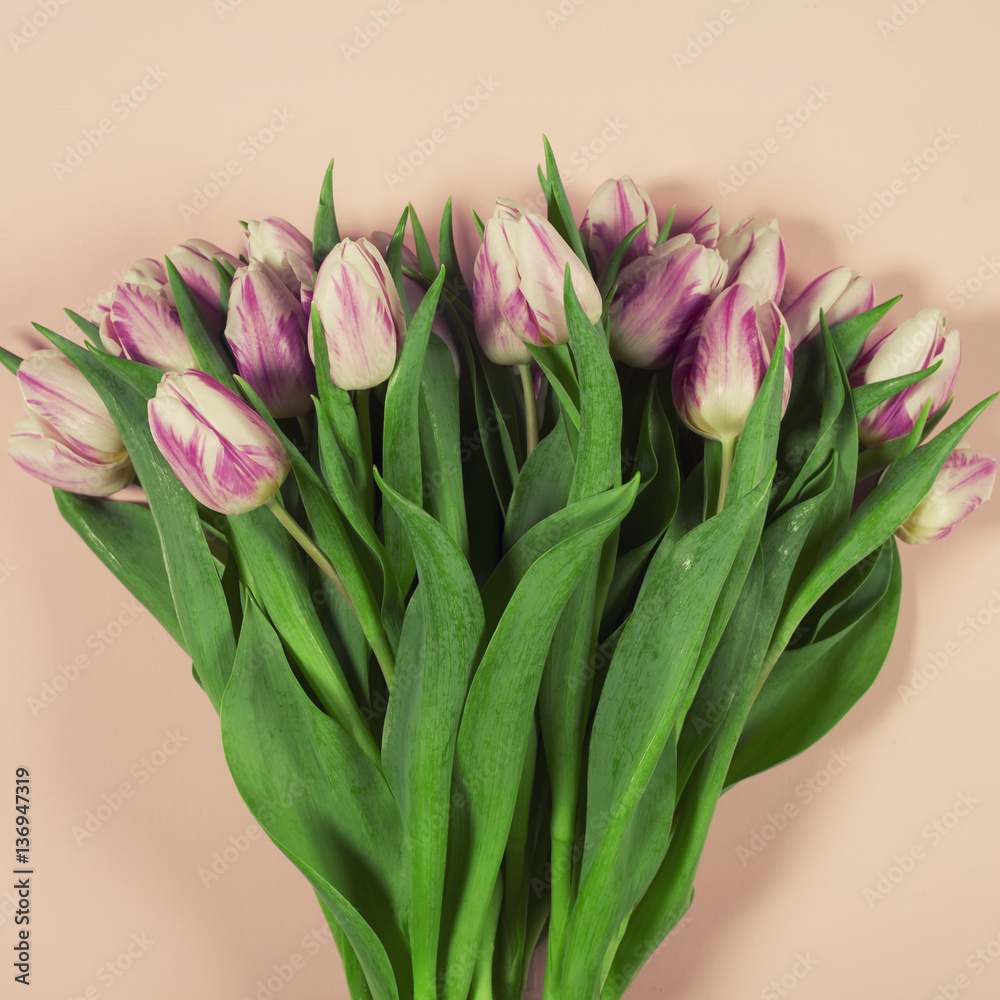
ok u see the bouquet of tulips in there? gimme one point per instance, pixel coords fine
(496, 591)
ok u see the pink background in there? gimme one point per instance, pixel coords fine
(602, 81)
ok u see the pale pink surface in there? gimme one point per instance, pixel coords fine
(603, 83)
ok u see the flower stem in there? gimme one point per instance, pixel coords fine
(530, 409)
(383, 653)
(728, 450)
(365, 431)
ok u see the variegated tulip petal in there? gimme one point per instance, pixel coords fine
(149, 330)
(616, 208)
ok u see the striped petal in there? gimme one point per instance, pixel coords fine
(149, 330)
(964, 482)
(266, 330)
(616, 208)
(218, 447)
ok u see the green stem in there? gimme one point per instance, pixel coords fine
(365, 430)
(482, 980)
(332, 691)
(728, 450)
(530, 409)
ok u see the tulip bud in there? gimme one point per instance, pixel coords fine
(756, 257)
(266, 331)
(68, 438)
(361, 313)
(518, 283)
(964, 482)
(195, 264)
(705, 229)
(722, 363)
(414, 292)
(659, 297)
(914, 345)
(841, 294)
(284, 249)
(617, 207)
(219, 448)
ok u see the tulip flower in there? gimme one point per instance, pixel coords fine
(361, 313)
(756, 257)
(964, 482)
(194, 261)
(219, 448)
(266, 331)
(284, 249)
(705, 229)
(659, 297)
(841, 294)
(414, 293)
(722, 363)
(914, 345)
(518, 282)
(68, 438)
(617, 207)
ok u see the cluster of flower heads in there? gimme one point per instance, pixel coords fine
(710, 304)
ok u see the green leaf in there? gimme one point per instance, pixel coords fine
(560, 212)
(501, 702)
(441, 633)
(9, 360)
(203, 342)
(812, 688)
(124, 537)
(322, 802)
(609, 275)
(667, 226)
(90, 330)
(401, 457)
(557, 364)
(424, 256)
(448, 257)
(867, 397)
(440, 442)
(125, 387)
(851, 334)
(643, 689)
(326, 235)
(394, 260)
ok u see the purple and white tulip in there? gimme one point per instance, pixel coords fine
(840, 293)
(414, 292)
(266, 331)
(659, 297)
(964, 482)
(617, 207)
(756, 256)
(68, 438)
(518, 283)
(219, 448)
(284, 249)
(914, 345)
(361, 313)
(705, 229)
(723, 361)
(194, 260)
